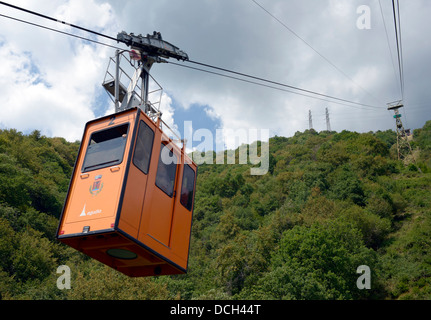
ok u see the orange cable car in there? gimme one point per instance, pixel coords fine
(131, 196)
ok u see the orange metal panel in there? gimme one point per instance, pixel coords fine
(93, 196)
(135, 193)
(151, 180)
(181, 223)
(133, 200)
(125, 210)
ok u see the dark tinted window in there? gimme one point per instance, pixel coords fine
(106, 148)
(166, 170)
(187, 187)
(144, 145)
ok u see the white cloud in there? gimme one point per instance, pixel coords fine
(51, 82)
(168, 112)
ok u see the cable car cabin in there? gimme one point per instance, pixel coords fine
(130, 199)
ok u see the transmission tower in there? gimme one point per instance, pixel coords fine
(404, 149)
(328, 125)
(310, 120)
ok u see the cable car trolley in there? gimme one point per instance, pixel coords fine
(131, 194)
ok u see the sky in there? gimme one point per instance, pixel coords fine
(51, 82)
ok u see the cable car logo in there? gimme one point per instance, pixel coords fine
(97, 186)
(83, 214)
(89, 213)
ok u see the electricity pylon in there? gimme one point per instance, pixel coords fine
(310, 120)
(404, 148)
(328, 124)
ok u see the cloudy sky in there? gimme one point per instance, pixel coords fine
(52, 82)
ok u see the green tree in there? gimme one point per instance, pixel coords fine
(7, 245)
(317, 262)
(33, 258)
(90, 283)
(345, 185)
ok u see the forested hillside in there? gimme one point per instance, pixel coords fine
(330, 203)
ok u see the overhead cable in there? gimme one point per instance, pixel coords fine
(190, 61)
(56, 20)
(399, 46)
(387, 40)
(281, 84)
(309, 45)
(357, 105)
(59, 31)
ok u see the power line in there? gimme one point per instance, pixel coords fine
(194, 62)
(399, 46)
(59, 31)
(273, 87)
(387, 39)
(56, 20)
(282, 84)
(396, 12)
(309, 45)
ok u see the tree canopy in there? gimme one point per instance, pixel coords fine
(330, 203)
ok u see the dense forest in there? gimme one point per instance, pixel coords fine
(330, 203)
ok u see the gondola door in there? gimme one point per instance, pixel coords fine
(162, 201)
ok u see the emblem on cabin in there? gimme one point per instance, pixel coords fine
(97, 185)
